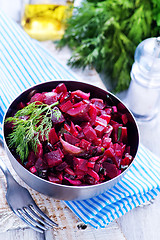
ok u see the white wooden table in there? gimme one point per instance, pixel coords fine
(141, 223)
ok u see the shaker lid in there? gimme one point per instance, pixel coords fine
(147, 56)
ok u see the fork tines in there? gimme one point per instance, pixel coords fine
(35, 218)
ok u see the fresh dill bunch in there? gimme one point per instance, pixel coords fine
(29, 124)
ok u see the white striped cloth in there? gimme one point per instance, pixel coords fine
(24, 62)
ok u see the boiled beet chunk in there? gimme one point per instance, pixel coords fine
(53, 138)
(53, 158)
(31, 159)
(109, 130)
(90, 133)
(69, 148)
(41, 164)
(53, 178)
(71, 139)
(98, 103)
(106, 141)
(73, 130)
(61, 88)
(79, 112)
(92, 113)
(111, 169)
(57, 116)
(80, 164)
(100, 130)
(81, 94)
(106, 117)
(37, 97)
(49, 97)
(85, 144)
(66, 106)
(100, 121)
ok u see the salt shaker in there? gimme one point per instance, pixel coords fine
(144, 91)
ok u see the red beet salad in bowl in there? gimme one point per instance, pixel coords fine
(70, 137)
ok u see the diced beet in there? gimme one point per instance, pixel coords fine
(21, 105)
(73, 182)
(61, 166)
(97, 167)
(116, 134)
(57, 116)
(66, 106)
(100, 130)
(111, 169)
(109, 152)
(49, 97)
(124, 118)
(33, 169)
(81, 94)
(98, 103)
(70, 171)
(79, 111)
(100, 121)
(108, 110)
(53, 138)
(91, 164)
(73, 130)
(41, 164)
(114, 109)
(71, 139)
(73, 150)
(89, 133)
(85, 144)
(106, 141)
(67, 127)
(94, 159)
(97, 141)
(81, 164)
(106, 117)
(61, 88)
(124, 136)
(108, 131)
(37, 97)
(53, 158)
(54, 179)
(92, 113)
(77, 99)
(31, 159)
(93, 174)
(127, 159)
(117, 160)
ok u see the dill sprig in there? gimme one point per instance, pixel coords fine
(29, 125)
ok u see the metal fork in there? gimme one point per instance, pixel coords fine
(22, 204)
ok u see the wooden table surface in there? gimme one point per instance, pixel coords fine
(141, 223)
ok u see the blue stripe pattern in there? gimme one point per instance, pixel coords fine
(25, 62)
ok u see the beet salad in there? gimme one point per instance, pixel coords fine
(69, 138)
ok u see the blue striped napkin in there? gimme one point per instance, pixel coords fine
(24, 62)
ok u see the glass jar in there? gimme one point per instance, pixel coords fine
(45, 19)
(144, 90)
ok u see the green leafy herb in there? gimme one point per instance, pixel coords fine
(30, 123)
(119, 133)
(105, 34)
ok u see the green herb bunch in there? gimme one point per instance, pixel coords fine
(29, 125)
(105, 34)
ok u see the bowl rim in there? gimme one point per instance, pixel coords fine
(89, 85)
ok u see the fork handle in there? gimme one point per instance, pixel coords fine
(6, 172)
